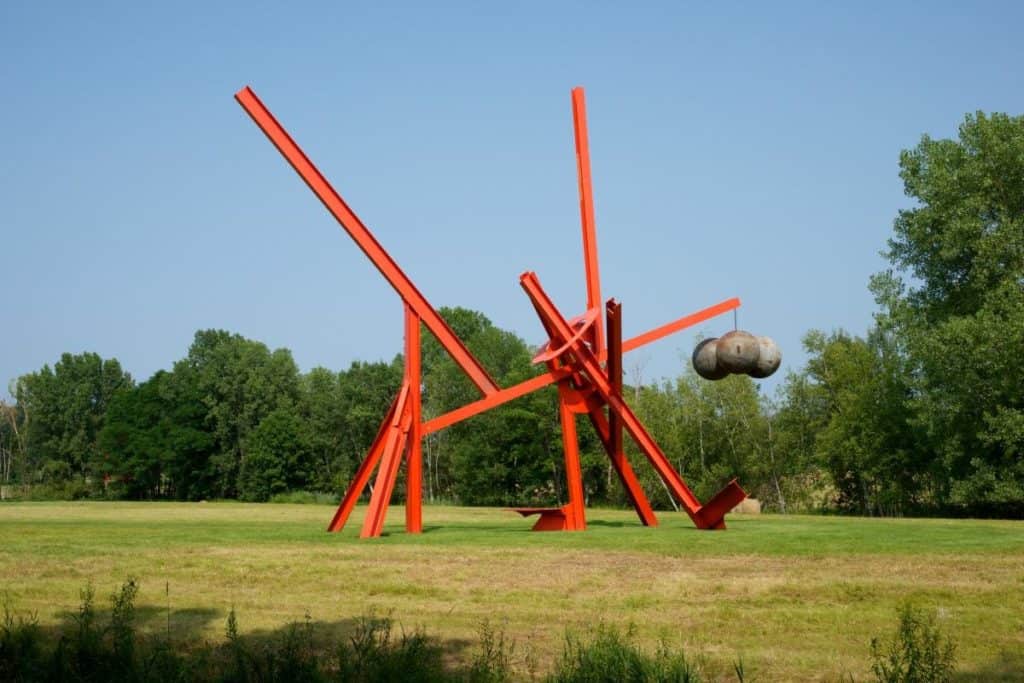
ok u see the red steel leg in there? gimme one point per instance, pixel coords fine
(388, 471)
(414, 456)
(362, 476)
(575, 514)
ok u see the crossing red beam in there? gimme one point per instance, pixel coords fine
(535, 383)
(589, 365)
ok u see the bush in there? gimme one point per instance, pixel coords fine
(917, 653)
(612, 656)
(88, 650)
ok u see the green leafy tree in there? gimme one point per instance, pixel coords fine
(955, 298)
(278, 457)
(710, 431)
(240, 382)
(12, 442)
(506, 456)
(155, 442)
(324, 422)
(134, 452)
(65, 408)
(365, 392)
(864, 439)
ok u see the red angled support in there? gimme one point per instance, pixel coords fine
(586, 367)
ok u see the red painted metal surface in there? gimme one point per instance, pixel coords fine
(579, 128)
(364, 239)
(574, 355)
(588, 364)
(394, 444)
(610, 433)
(535, 383)
(575, 516)
(414, 458)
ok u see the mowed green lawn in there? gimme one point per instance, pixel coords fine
(797, 598)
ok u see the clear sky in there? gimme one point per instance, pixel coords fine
(743, 151)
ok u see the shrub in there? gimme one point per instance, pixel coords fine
(612, 656)
(917, 653)
(373, 654)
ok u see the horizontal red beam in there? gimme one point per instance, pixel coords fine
(681, 324)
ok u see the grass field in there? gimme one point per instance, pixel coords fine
(797, 598)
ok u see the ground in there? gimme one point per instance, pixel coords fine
(794, 597)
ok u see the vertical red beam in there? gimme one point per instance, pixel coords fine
(414, 457)
(613, 440)
(364, 239)
(573, 472)
(579, 124)
(613, 313)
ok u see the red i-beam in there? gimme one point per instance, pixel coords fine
(574, 357)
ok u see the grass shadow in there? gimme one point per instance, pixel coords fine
(1008, 666)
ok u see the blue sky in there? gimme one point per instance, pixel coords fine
(737, 151)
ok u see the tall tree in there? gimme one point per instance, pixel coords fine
(240, 382)
(155, 441)
(955, 298)
(278, 457)
(12, 442)
(863, 437)
(67, 405)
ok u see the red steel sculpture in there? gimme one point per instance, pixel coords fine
(583, 357)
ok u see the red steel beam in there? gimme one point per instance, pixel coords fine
(387, 473)
(577, 520)
(362, 475)
(592, 367)
(681, 324)
(527, 386)
(414, 454)
(579, 125)
(494, 400)
(364, 239)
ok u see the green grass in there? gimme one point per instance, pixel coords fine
(795, 597)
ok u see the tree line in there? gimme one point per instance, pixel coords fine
(922, 414)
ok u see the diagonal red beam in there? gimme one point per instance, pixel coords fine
(365, 239)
